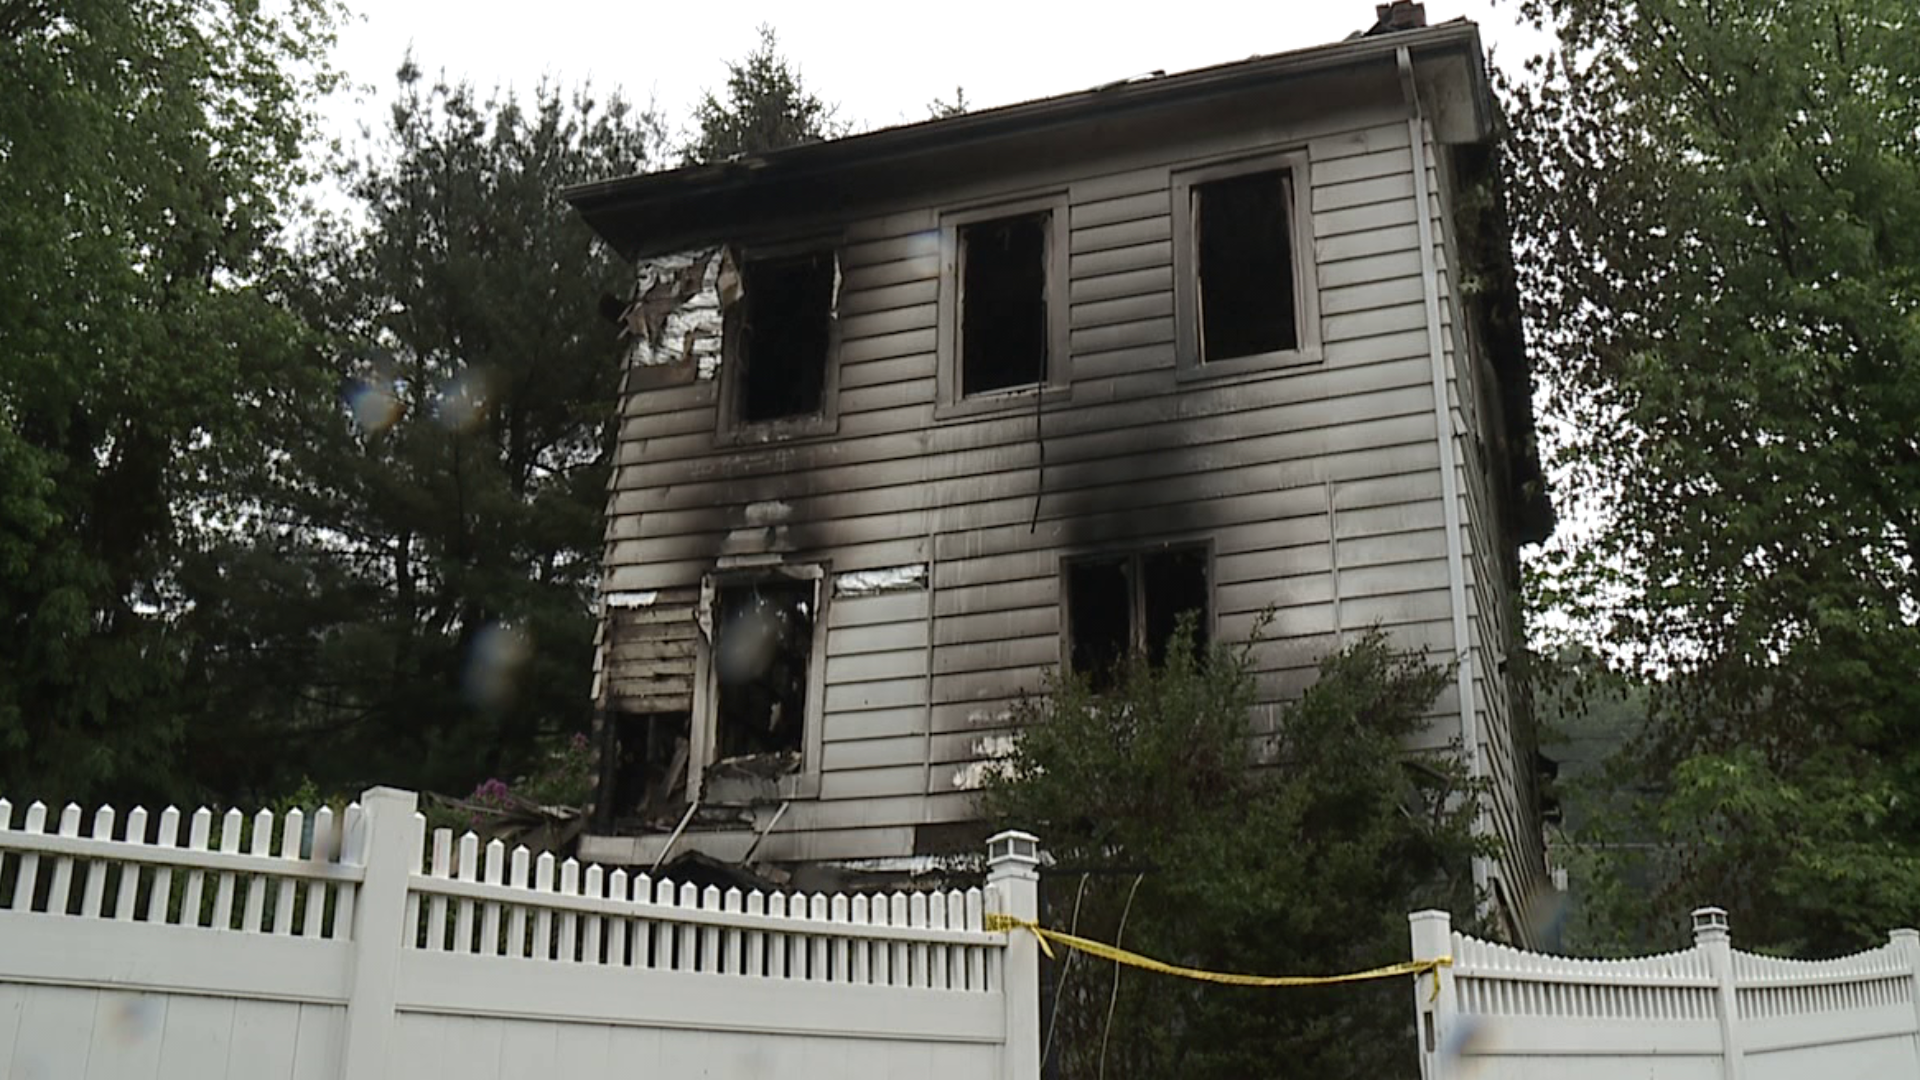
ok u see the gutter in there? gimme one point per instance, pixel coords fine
(1449, 475)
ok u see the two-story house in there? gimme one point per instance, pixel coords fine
(912, 417)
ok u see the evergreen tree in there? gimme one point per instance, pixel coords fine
(413, 602)
(766, 108)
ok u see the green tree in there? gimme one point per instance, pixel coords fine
(941, 108)
(1306, 864)
(1719, 222)
(412, 603)
(149, 152)
(766, 108)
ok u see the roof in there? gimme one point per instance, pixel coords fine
(631, 212)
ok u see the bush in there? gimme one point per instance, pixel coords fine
(1185, 831)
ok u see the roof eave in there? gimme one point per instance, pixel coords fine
(601, 202)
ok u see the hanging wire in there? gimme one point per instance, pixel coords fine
(1060, 988)
(1040, 438)
(1114, 998)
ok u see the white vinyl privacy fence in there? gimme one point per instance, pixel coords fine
(1706, 1013)
(347, 946)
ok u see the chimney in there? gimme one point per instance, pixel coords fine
(1399, 15)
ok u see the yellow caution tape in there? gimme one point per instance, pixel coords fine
(999, 922)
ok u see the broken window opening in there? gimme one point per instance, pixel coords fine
(646, 774)
(1003, 303)
(785, 335)
(1173, 583)
(1125, 606)
(763, 652)
(1243, 241)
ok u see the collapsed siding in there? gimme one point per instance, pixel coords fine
(1317, 486)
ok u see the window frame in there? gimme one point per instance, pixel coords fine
(950, 398)
(732, 430)
(703, 735)
(1135, 554)
(1189, 361)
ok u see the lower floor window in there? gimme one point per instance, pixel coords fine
(1127, 605)
(762, 657)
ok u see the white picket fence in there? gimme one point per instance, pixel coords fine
(323, 946)
(1705, 1013)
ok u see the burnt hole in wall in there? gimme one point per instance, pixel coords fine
(647, 768)
(786, 320)
(763, 650)
(1245, 247)
(1003, 302)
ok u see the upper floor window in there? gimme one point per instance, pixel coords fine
(1244, 294)
(1002, 304)
(778, 371)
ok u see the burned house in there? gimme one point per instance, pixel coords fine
(912, 417)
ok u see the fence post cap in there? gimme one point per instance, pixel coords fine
(1710, 922)
(1013, 844)
(1013, 851)
(1904, 934)
(390, 795)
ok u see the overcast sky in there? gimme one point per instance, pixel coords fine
(881, 63)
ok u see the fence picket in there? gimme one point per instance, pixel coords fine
(256, 884)
(590, 941)
(643, 928)
(160, 894)
(345, 893)
(469, 870)
(708, 958)
(917, 918)
(686, 953)
(901, 965)
(733, 957)
(542, 914)
(6, 825)
(199, 835)
(569, 920)
(976, 955)
(778, 966)
(517, 914)
(127, 888)
(440, 866)
(937, 918)
(859, 971)
(93, 900)
(755, 961)
(840, 953)
(291, 828)
(619, 888)
(231, 826)
(315, 921)
(61, 887)
(490, 941)
(882, 915)
(817, 952)
(29, 873)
